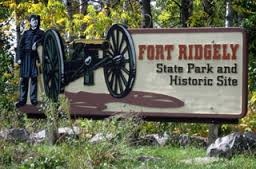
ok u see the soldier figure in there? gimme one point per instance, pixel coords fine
(27, 58)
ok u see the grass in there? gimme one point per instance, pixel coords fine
(117, 153)
(171, 157)
(75, 154)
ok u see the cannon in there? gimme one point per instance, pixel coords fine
(62, 65)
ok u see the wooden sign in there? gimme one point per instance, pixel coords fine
(181, 74)
(205, 69)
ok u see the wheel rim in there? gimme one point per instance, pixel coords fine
(120, 72)
(52, 64)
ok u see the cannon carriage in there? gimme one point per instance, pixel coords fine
(118, 61)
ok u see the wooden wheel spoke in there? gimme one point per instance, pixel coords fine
(109, 71)
(124, 50)
(125, 70)
(48, 67)
(111, 46)
(121, 43)
(117, 41)
(47, 50)
(55, 61)
(114, 43)
(110, 53)
(120, 83)
(126, 61)
(123, 79)
(48, 75)
(56, 75)
(112, 79)
(56, 81)
(116, 83)
(50, 44)
(47, 79)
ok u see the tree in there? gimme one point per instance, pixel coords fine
(147, 21)
(166, 13)
(208, 13)
(208, 6)
(229, 14)
(186, 11)
(245, 12)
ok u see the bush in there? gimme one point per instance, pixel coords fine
(51, 161)
(9, 91)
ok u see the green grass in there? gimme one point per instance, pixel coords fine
(81, 154)
(171, 157)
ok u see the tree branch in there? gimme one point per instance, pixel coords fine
(177, 3)
(5, 22)
(117, 1)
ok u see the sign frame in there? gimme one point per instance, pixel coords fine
(178, 117)
(208, 118)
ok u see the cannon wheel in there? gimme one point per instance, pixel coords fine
(53, 65)
(120, 72)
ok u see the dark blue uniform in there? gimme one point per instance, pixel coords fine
(28, 67)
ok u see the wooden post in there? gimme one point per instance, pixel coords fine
(213, 133)
(215, 129)
(52, 133)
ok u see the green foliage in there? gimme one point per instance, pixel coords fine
(56, 112)
(8, 89)
(51, 161)
(129, 15)
(93, 24)
(195, 129)
(166, 14)
(59, 109)
(97, 23)
(248, 123)
(250, 24)
(4, 12)
(200, 18)
(25, 156)
(246, 10)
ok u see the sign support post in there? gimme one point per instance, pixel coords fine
(215, 129)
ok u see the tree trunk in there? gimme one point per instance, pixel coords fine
(68, 5)
(83, 6)
(147, 21)
(229, 14)
(17, 38)
(52, 122)
(108, 7)
(208, 7)
(52, 131)
(125, 8)
(83, 10)
(18, 33)
(186, 11)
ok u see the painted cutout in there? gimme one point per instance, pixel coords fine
(191, 73)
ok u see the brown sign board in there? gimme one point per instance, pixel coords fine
(192, 74)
